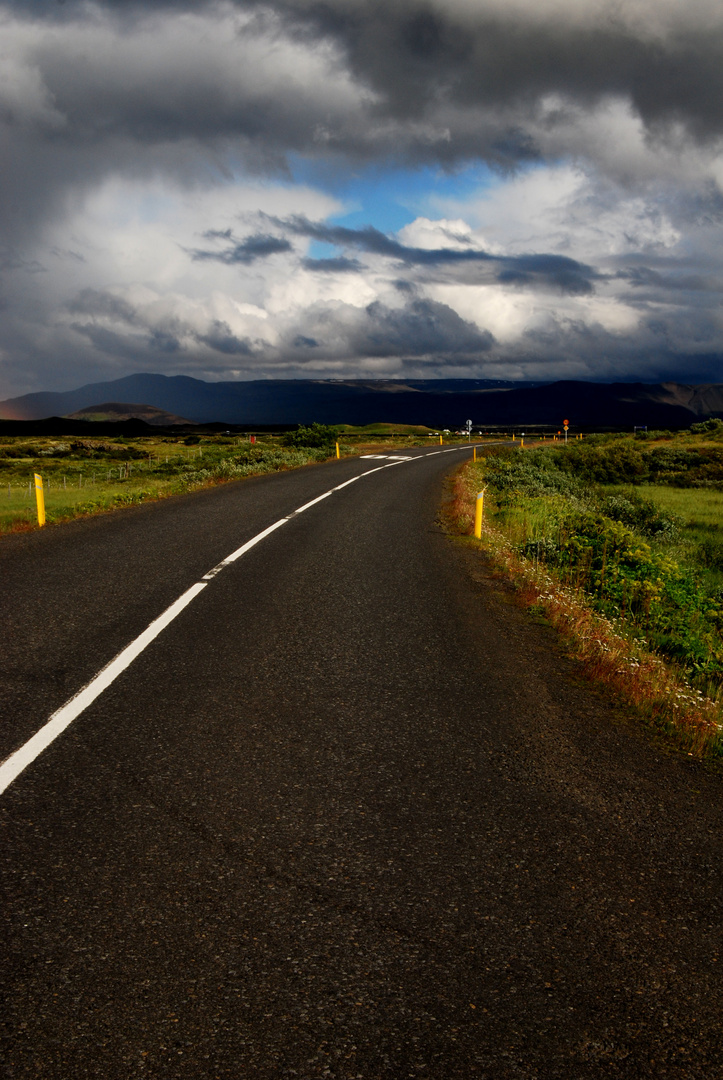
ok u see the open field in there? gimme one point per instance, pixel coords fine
(697, 508)
(86, 476)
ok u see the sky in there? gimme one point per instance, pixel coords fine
(502, 189)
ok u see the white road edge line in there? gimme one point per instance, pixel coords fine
(65, 715)
(11, 768)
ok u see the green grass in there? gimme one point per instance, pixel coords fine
(697, 508)
(18, 508)
(698, 513)
(648, 556)
(85, 475)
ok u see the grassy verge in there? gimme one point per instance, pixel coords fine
(614, 569)
(87, 476)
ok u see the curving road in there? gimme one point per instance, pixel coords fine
(350, 814)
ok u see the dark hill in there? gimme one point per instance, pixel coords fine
(113, 411)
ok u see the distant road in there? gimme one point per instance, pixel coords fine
(350, 814)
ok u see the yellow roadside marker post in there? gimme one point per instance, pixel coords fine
(440, 440)
(474, 453)
(40, 498)
(478, 511)
(337, 450)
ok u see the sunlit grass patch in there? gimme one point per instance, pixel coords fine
(694, 506)
(82, 477)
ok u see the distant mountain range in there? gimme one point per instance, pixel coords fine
(435, 402)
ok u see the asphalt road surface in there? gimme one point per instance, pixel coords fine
(351, 814)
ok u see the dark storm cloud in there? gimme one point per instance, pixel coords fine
(164, 342)
(555, 270)
(646, 277)
(475, 73)
(539, 271)
(223, 340)
(109, 341)
(116, 88)
(414, 51)
(339, 265)
(103, 304)
(421, 328)
(245, 252)
(192, 95)
(103, 307)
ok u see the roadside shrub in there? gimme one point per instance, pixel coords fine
(319, 436)
(625, 578)
(714, 427)
(91, 448)
(598, 543)
(614, 463)
(629, 461)
(640, 514)
(18, 450)
(532, 473)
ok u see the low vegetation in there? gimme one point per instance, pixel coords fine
(619, 540)
(84, 476)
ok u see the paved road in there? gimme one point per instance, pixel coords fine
(351, 815)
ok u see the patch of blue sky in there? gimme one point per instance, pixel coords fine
(318, 250)
(389, 198)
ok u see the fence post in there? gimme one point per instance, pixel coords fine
(478, 512)
(40, 498)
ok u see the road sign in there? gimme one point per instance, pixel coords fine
(565, 423)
